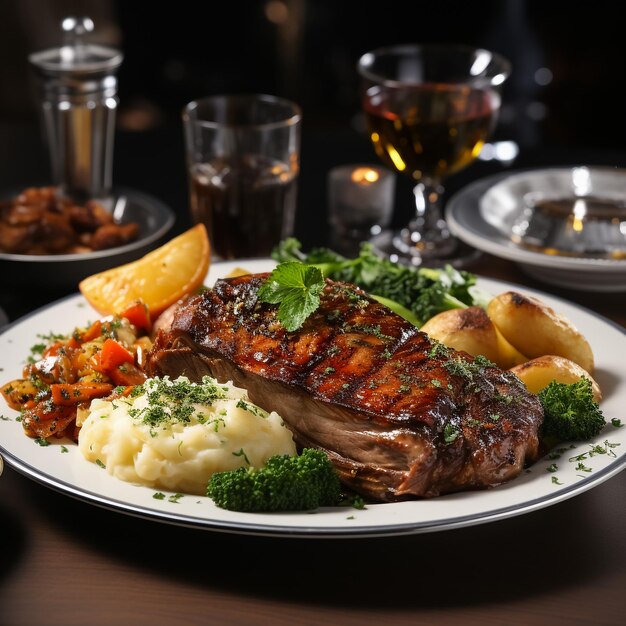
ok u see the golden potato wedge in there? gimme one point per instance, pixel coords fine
(159, 278)
(538, 373)
(535, 329)
(471, 330)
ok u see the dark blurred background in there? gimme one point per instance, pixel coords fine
(563, 104)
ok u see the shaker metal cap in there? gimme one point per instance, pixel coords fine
(75, 57)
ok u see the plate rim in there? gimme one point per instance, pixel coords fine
(310, 531)
(327, 532)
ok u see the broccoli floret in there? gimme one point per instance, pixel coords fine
(284, 483)
(570, 412)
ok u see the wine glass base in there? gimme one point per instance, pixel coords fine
(396, 246)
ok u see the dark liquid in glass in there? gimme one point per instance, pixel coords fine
(247, 205)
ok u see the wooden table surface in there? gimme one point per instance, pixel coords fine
(67, 562)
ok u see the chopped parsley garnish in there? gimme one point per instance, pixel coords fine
(176, 401)
(482, 361)
(368, 329)
(450, 433)
(595, 450)
(251, 408)
(40, 441)
(243, 454)
(52, 337)
(438, 349)
(38, 348)
(505, 397)
(355, 501)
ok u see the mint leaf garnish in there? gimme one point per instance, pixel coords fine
(296, 288)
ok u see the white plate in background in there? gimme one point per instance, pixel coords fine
(481, 214)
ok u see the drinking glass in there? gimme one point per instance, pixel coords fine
(243, 154)
(430, 109)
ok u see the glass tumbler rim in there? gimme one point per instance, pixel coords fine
(293, 111)
(500, 65)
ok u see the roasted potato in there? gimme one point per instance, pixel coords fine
(237, 271)
(538, 373)
(471, 330)
(535, 329)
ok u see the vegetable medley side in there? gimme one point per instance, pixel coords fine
(55, 390)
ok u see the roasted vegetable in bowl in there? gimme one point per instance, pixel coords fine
(40, 220)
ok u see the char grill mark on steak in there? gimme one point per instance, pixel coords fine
(398, 417)
(350, 351)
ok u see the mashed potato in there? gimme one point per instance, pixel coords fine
(174, 434)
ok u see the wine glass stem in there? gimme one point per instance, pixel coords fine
(427, 206)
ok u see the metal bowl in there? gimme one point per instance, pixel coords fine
(497, 215)
(63, 272)
(562, 211)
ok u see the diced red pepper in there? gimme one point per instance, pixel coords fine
(138, 315)
(52, 349)
(71, 395)
(95, 330)
(72, 344)
(43, 421)
(114, 354)
(127, 374)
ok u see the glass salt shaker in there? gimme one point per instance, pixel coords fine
(79, 99)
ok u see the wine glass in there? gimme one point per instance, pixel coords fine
(430, 109)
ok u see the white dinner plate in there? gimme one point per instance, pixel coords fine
(61, 466)
(481, 214)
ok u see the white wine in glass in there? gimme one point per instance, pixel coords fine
(430, 109)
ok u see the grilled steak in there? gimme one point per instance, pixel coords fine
(399, 415)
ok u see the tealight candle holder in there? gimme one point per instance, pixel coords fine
(360, 204)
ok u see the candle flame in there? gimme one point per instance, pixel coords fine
(365, 176)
